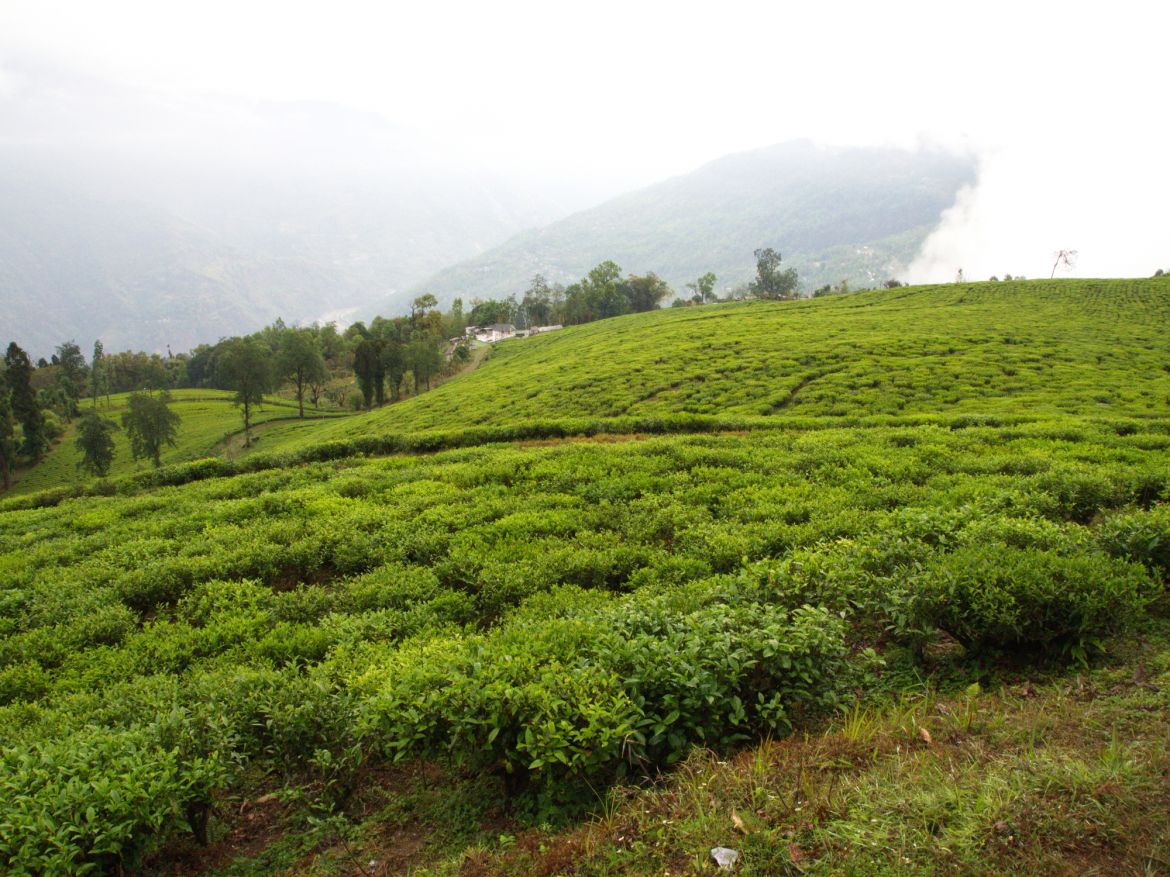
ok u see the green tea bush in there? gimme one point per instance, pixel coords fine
(1142, 536)
(595, 688)
(720, 674)
(992, 596)
(93, 801)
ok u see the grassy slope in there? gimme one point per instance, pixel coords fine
(1055, 775)
(1036, 348)
(208, 419)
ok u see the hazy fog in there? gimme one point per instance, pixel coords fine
(252, 113)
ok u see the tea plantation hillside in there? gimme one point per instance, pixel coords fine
(887, 596)
(1012, 348)
(208, 421)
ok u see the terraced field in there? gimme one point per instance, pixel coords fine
(505, 628)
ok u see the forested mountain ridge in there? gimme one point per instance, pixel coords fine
(835, 214)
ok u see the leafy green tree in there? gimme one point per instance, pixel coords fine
(455, 322)
(246, 367)
(330, 342)
(485, 313)
(96, 443)
(644, 293)
(367, 368)
(771, 282)
(300, 361)
(97, 371)
(7, 435)
(703, 288)
(598, 295)
(426, 360)
(18, 376)
(150, 423)
(394, 365)
(70, 377)
(425, 317)
(537, 301)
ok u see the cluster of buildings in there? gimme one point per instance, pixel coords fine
(500, 331)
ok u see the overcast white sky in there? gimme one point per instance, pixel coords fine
(1066, 102)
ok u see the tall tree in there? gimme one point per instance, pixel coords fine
(455, 322)
(70, 377)
(537, 301)
(771, 282)
(18, 376)
(96, 443)
(97, 371)
(246, 367)
(394, 365)
(368, 369)
(644, 293)
(703, 288)
(7, 435)
(426, 360)
(301, 362)
(150, 423)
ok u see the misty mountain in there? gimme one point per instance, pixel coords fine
(856, 214)
(150, 221)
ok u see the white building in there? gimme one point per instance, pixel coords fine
(494, 332)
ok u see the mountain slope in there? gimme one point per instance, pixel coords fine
(1081, 347)
(856, 214)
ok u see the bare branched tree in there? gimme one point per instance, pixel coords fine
(1067, 258)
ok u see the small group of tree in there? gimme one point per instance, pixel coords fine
(600, 294)
(389, 351)
(603, 293)
(842, 288)
(149, 421)
(771, 281)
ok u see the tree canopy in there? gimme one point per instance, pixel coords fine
(771, 282)
(96, 443)
(150, 423)
(246, 367)
(300, 361)
(18, 377)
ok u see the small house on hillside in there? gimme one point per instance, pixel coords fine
(494, 332)
(536, 330)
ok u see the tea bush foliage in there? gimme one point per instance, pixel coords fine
(563, 603)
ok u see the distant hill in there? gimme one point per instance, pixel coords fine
(834, 213)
